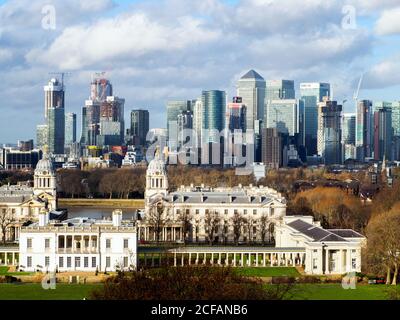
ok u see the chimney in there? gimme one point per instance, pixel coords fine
(117, 218)
(43, 217)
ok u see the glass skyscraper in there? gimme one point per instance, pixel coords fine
(70, 128)
(214, 106)
(251, 88)
(280, 89)
(312, 94)
(139, 126)
(174, 109)
(364, 129)
(383, 133)
(282, 114)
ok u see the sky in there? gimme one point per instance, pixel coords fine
(159, 50)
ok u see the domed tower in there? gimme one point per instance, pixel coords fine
(156, 178)
(45, 184)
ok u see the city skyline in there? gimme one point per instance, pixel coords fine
(147, 75)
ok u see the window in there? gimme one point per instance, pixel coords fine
(47, 243)
(126, 243)
(61, 262)
(254, 211)
(29, 243)
(108, 262)
(126, 262)
(47, 261)
(29, 262)
(245, 211)
(108, 243)
(197, 211)
(272, 211)
(93, 262)
(226, 211)
(178, 211)
(77, 262)
(354, 263)
(235, 211)
(69, 262)
(315, 263)
(86, 262)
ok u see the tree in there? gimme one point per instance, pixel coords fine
(211, 224)
(383, 246)
(185, 218)
(7, 219)
(237, 222)
(263, 222)
(157, 217)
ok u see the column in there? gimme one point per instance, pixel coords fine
(249, 260)
(242, 261)
(279, 259)
(264, 259)
(271, 259)
(183, 259)
(190, 258)
(227, 259)
(234, 259)
(286, 260)
(212, 258)
(174, 258)
(197, 258)
(348, 260)
(173, 234)
(13, 259)
(219, 258)
(327, 261)
(256, 259)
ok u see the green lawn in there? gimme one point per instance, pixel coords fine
(22, 291)
(334, 291)
(268, 272)
(4, 272)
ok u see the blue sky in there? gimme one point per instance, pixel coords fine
(156, 50)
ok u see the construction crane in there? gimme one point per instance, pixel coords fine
(355, 97)
(62, 74)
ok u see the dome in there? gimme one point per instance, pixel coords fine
(44, 165)
(156, 167)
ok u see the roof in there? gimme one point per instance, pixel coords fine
(252, 75)
(346, 233)
(316, 233)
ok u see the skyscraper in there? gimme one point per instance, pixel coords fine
(53, 96)
(271, 148)
(280, 89)
(236, 115)
(349, 135)
(329, 131)
(214, 106)
(70, 128)
(251, 87)
(364, 129)
(383, 133)
(112, 123)
(41, 136)
(139, 126)
(282, 114)
(175, 108)
(54, 113)
(311, 94)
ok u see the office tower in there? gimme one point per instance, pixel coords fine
(349, 135)
(91, 124)
(112, 123)
(279, 90)
(396, 118)
(383, 133)
(53, 96)
(381, 104)
(198, 111)
(311, 94)
(174, 108)
(84, 126)
(329, 131)
(282, 114)
(41, 136)
(25, 145)
(70, 128)
(100, 88)
(236, 115)
(271, 148)
(251, 87)
(214, 106)
(55, 116)
(185, 123)
(139, 126)
(364, 129)
(16, 159)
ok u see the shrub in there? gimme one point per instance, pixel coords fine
(280, 280)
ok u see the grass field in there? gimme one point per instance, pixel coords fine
(268, 272)
(335, 291)
(4, 272)
(35, 291)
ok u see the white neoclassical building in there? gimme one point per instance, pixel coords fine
(260, 207)
(23, 203)
(78, 244)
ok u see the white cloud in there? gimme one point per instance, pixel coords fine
(126, 37)
(384, 74)
(5, 55)
(389, 22)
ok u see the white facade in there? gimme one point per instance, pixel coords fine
(78, 244)
(327, 251)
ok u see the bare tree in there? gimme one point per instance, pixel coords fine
(7, 219)
(157, 218)
(211, 224)
(263, 227)
(185, 217)
(238, 222)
